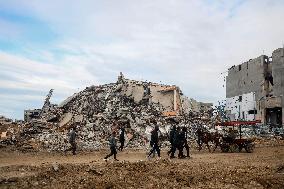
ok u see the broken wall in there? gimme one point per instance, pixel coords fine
(278, 75)
(166, 98)
(169, 99)
(31, 114)
(241, 108)
(248, 77)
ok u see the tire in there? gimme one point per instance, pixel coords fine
(225, 148)
(240, 148)
(249, 148)
(234, 147)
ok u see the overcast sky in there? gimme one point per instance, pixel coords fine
(68, 45)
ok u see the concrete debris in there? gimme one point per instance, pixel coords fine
(4, 120)
(99, 110)
(55, 167)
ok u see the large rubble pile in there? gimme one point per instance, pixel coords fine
(96, 112)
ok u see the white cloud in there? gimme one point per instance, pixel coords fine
(188, 43)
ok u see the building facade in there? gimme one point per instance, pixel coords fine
(31, 114)
(254, 89)
(169, 96)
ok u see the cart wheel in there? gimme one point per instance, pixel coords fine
(225, 148)
(234, 148)
(249, 148)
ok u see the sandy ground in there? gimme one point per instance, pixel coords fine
(264, 168)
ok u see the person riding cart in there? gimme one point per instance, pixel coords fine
(231, 136)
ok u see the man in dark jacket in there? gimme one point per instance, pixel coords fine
(112, 145)
(172, 135)
(199, 134)
(72, 141)
(121, 138)
(181, 142)
(186, 146)
(176, 142)
(154, 142)
(231, 135)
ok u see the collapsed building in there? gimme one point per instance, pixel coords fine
(5, 120)
(255, 89)
(98, 110)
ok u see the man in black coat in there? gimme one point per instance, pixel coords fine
(199, 134)
(176, 142)
(154, 142)
(171, 139)
(186, 146)
(72, 141)
(121, 138)
(112, 145)
(182, 141)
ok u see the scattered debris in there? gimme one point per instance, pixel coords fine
(55, 167)
(99, 110)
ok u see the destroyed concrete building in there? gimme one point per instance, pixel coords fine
(97, 111)
(169, 97)
(40, 113)
(5, 120)
(255, 89)
(31, 114)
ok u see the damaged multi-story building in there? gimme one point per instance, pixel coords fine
(254, 89)
(37, 113)
(4, 120)
(168, 96)
(99, 110)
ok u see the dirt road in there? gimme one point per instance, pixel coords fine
(262, 169)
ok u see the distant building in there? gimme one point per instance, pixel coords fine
(254, 89)
(4, 120)
(32, 114)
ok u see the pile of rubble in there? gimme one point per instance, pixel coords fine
(99, 110)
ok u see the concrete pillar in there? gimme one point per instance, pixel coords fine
(282, 111)
(264, 116)
(175, 100)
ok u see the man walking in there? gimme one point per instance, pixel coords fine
(112, 145)
(172, 136)
(186, 146)
(176, 142)
(121, 138)
(181, 141)
(199, 134)
(154, 142)
(72, 141)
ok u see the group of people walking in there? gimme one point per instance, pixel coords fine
(112, 142)
(177, 139)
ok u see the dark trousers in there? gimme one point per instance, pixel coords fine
(112, 152)
(72, 148)
(121, 145)
(187, 148)
(155, 147)
(173, 150)
(180, 150)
